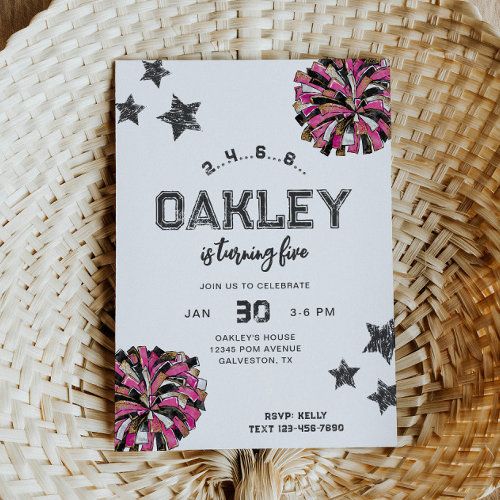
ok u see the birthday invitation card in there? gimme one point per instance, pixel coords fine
(254, 300)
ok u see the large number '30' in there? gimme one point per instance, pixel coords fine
(261, 311)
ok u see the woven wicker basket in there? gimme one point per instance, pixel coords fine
(57, 277)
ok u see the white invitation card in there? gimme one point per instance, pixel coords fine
(254, 304)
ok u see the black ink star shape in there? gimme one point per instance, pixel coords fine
(181, 117)
(344, 375)
(385, 396)
(154, 72)
(382, 340)
(129, 110)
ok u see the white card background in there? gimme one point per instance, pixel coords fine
(159, 273)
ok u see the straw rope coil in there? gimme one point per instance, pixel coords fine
(57, 278)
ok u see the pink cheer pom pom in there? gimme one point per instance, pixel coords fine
(345, 105)
(158, 398)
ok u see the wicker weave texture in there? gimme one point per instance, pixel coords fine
(57, 279)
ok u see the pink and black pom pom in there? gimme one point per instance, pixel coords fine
(345, 105)
(158, 398)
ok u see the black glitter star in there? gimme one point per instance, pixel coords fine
(344, 375)
(129, 110)
(154, 72)
(385, 396)
(181, 117)
(382, 340)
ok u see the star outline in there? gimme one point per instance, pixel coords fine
(382, 339)
(154, 71)
(181, 116)
(344, 374)
(129, 110)
(384, 396)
